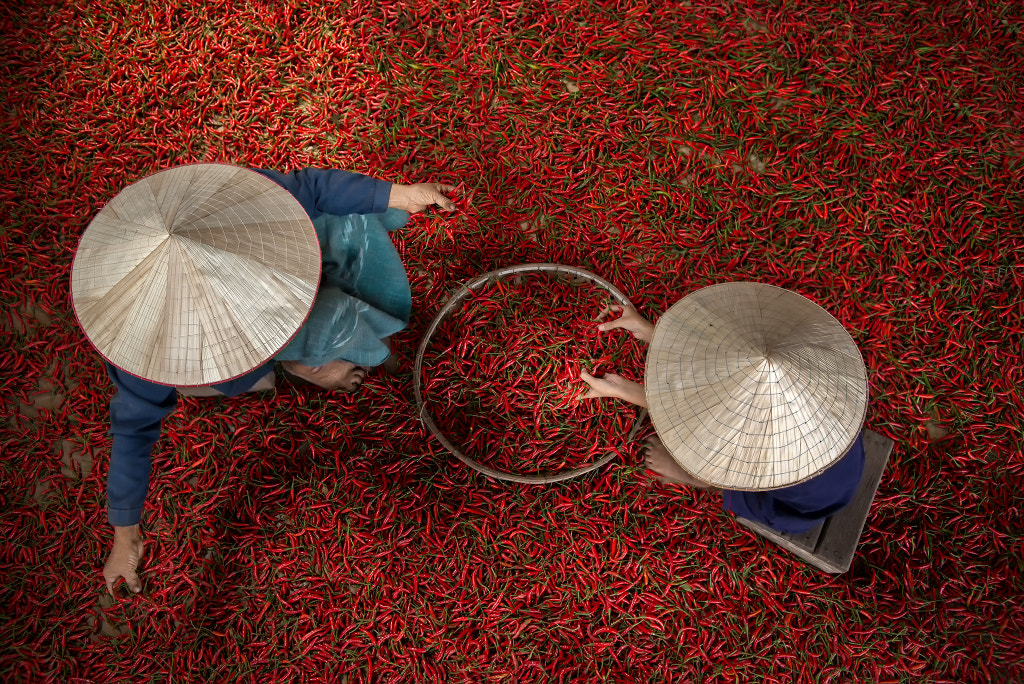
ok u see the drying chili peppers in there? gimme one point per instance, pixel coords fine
(503, 371)
(867, 155)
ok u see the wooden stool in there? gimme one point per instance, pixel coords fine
(831, 545)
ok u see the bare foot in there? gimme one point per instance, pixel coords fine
(333, 375)
(657, 458)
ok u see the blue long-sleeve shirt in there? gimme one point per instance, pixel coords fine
(798, 508)
(139, 406)
(329, 191)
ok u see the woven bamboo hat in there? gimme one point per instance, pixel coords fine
(195, 275)
(754, 387)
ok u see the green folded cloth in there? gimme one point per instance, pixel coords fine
(364, 293)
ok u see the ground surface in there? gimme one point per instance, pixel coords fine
(868, 156)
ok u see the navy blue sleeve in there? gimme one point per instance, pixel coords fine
(331, 191)
(232, 388)
(800, 507)
(136, 412)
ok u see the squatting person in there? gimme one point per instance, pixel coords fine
(754, 392)
(200, 277)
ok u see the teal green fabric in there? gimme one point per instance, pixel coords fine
(364, 293)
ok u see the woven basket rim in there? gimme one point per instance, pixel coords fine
(460, 293)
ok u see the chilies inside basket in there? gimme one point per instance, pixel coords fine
(500, 374)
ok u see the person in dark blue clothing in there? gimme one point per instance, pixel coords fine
(362, 299)
(792, 509)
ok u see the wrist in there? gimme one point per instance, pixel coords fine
(129, 533)
(395, 196)
(639, 396)
(634, 394)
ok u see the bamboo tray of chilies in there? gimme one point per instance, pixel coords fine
(461, 292)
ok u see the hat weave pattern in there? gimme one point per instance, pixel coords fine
(754, 387)
(195, 275)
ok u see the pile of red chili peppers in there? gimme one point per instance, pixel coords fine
(866, 155)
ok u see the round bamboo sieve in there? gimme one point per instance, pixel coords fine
(461, 292)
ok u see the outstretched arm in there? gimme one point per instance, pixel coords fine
(337, 192)
(610, 384)
(614, 386)
(136, 412)
(332, 191)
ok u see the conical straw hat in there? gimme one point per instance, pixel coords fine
(196, 275)
(754, 387)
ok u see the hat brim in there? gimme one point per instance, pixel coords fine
(754, 387)
(196, 275)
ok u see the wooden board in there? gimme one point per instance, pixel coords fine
(832, 545)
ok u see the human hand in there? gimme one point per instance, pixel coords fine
(415, 198)
(614, 386)
(124, 559)
(630, 321)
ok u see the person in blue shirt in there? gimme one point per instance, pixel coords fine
(363, 299)
(794, 509)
